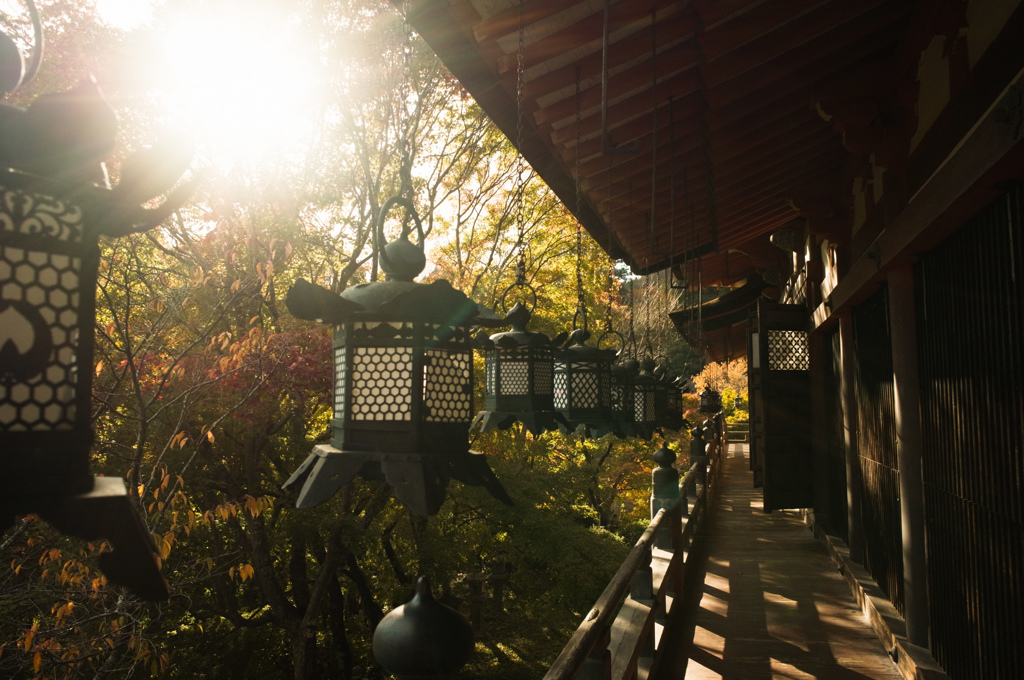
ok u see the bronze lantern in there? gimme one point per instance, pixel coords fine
(403, 375)
(55, 203)
(583, 385)
(519, 378)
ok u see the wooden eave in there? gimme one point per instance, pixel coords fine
(749, 116)
(719, 97)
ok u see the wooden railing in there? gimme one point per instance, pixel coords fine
(620, 637)
(737, 432)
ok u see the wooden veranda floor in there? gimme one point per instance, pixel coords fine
(773, 603)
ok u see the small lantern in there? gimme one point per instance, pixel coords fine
(667, 398)
(710, 401)
(645, 416)
(624, 374)
(583, 393)
(55, 205)
(519, 381)
(403, 373)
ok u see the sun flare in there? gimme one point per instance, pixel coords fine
(237, 76)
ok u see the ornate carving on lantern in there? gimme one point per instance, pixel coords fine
(403, 374)
(55, 203)
(519, 373)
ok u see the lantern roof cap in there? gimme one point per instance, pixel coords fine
(577, 348)
(435, 302)
(518, 317)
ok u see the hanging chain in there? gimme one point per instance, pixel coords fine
(520, 162)
(406, 118)
(581, 303)
(632, 284)
(611, 269)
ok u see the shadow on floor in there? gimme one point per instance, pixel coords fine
(767, 600)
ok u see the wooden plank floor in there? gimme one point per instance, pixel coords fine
(773, 604)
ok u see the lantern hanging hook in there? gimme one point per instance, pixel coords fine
(405, 261)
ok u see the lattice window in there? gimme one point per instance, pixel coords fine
(788, 351)
(561, 390)
(491, 373)
(515, 377)
(585, 389)
(382, 383)
(339, 380)
(39, 320)
(543, 382)
(643, 405)
(447, 394)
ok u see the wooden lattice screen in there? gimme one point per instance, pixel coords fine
(970, 297)
(876, 443)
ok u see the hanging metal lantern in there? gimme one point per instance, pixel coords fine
(710, 401)
(519, 381)
(55, 203)
(645, 416)
(623, 374)
(403, 373)
(583, 394)
(668, 404)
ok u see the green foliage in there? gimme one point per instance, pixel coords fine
(208, 394)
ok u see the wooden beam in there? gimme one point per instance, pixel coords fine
(949, 196)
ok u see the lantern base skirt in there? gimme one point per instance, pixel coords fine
(536, 422)
(105, 512)
(419, 480)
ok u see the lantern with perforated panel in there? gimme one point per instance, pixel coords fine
(645, 417)
(583, 377)
(403, 376)
(519, 378)
(668, 405)
(55, 203)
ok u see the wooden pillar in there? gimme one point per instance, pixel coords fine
(854, 483)
(819, 421)
(902, 323)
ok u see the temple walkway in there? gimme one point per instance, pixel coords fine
(773, 603)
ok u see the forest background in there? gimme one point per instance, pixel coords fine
(208, 393)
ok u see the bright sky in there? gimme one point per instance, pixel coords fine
(125, 14)
(237, 76)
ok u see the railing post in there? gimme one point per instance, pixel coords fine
(665, 494)
(698, 449)
(598, 665)
(642, 590)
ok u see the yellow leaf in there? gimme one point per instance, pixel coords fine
(236, 285)
(37, 660)
(29, 635)
(254, 319)
(231, 573)
(99, 367)
(209, 436)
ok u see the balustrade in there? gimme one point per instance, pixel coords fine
(620, 637)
